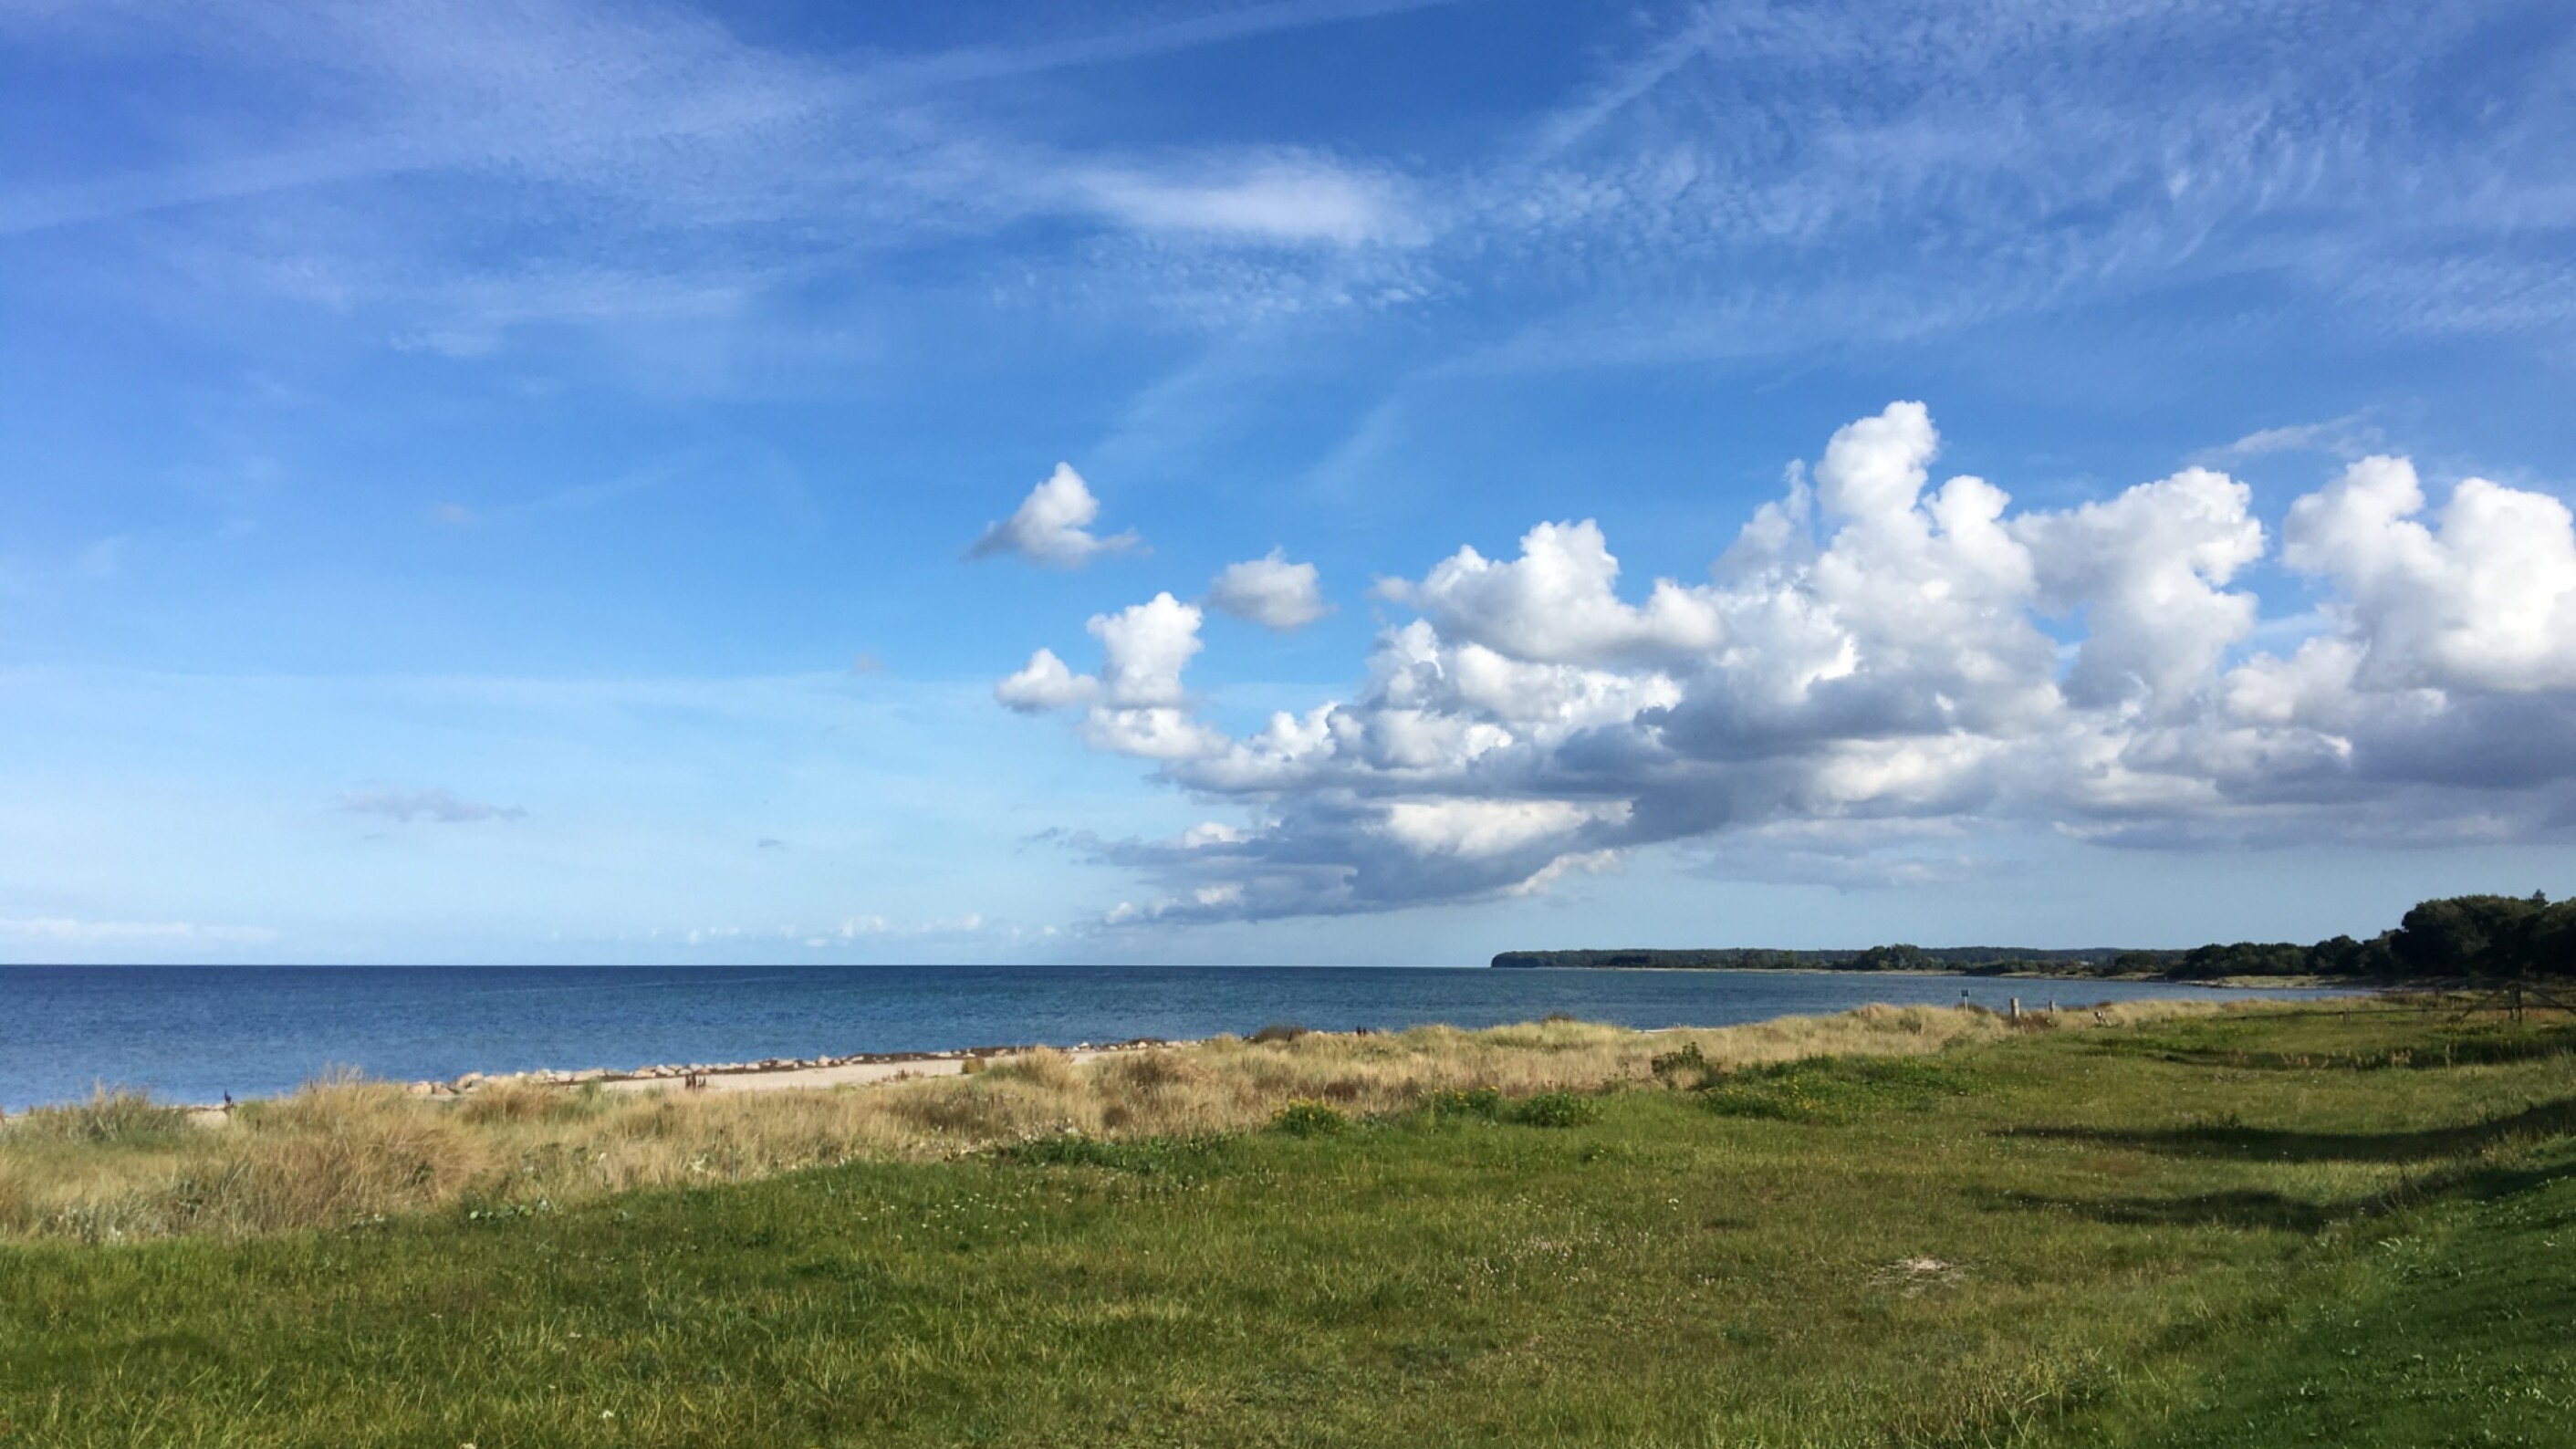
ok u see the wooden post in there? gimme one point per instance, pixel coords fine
(2016, 1008)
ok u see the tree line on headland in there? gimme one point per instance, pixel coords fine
(2455, 938)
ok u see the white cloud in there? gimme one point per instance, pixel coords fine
(1589, 862)
(1270, 591)
(1045, 684)
(1489, 827)
(2487, 600)
(1868, 663)
(2147, 568)
(1136, 699)
(439, 806)
(1052, 525)
(71, 931)
(1158, 733)
(1293, 200)
(1556, 602)
(1145, 647)
(2348, 436)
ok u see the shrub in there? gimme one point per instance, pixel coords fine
(1278, 1032)
(1145, 1156)
(1482, 1102)
(1309, 1119)
(1671, 1066)
(1556, 1109)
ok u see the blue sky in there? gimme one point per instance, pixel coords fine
(489, 481)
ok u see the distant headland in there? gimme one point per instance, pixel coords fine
(2456, 938)
(1968, 960)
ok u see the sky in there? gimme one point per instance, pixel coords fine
(1352, 482)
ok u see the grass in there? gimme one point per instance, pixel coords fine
(343, 1148)
(2168, 1233)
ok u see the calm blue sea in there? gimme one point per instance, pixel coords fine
(192, 1033)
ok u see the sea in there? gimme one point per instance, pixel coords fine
(195, 1033)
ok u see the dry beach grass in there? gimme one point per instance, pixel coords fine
(344, 1149)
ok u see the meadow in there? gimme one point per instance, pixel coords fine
(2334, 1223)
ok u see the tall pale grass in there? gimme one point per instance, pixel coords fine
(343, 1149)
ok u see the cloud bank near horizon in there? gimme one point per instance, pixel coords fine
(1873, 661)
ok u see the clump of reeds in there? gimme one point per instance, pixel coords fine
(341, 1149)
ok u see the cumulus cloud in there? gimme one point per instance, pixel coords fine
(2485, 600)
(1052, 525)
(438, 806)
(1045, 683)
(1270, 591)
(1137, 701)
(1877, 661)
(1556, 601)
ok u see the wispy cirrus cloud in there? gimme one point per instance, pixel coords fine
(438, 807)
(1854, 173)
(75, 931)
(2348, 437)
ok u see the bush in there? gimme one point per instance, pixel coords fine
(1687, 1061)
(1145, 1156)
(1278, 1032)
(1309, 1119)
(1556, 1109)
(1482, 1102)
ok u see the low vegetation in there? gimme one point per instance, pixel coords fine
(344, 1148)
(2336, 1223)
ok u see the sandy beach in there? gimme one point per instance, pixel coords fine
(777, 1074)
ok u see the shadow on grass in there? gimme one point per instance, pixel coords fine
(2258, 1209)
(2237, 1141)
(2244, 1210)
(2434, 1047)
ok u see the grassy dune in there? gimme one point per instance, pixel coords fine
(2275, 1226)
(120, 1168)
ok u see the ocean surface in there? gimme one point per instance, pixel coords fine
(193, 1033)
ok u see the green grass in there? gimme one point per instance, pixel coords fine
(2284, 1229)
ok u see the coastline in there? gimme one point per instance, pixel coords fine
(770, 1074)
(344, 1148)
(773, 1074)
(1970, 973)
(260, 1035)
